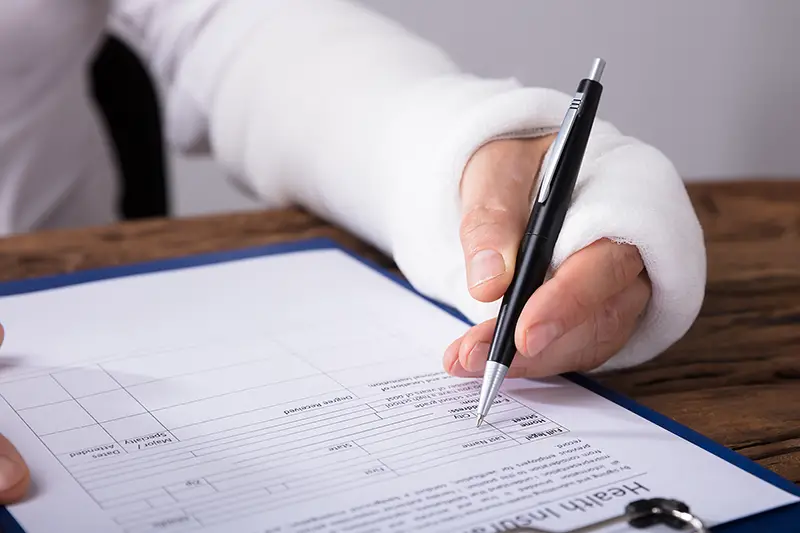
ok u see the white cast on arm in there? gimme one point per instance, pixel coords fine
(326, 104)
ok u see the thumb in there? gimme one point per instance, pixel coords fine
(14, 474)
(495, 198)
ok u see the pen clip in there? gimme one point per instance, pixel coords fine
(558, 148)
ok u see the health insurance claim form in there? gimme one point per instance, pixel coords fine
(304, 392)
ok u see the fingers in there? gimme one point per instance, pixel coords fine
(583, 348)
(597, 339)
(495, 194)
(466, 356)
(583, 282)
(14, 474)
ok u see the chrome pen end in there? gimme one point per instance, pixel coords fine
(598, 67)
(480, 421)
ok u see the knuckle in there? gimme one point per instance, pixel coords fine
(575, 306)
(613, 324)
(594, 354)
(481, 221)
(625, 263)
(607, 324)
(585, 358)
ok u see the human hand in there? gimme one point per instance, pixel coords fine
(15, 477)
(577, 319)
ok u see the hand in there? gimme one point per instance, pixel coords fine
(577, 319)
(15, 477)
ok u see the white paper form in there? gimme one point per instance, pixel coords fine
(304, 393)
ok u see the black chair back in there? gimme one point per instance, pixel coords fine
(127, 99)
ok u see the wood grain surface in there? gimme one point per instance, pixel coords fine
(735, 377)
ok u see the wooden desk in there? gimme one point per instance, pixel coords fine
(735, 377)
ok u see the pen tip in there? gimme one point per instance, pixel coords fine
(480, 421)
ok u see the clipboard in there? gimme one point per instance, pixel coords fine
(784, 519)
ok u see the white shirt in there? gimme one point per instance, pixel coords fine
(324, 103)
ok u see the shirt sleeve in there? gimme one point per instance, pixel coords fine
(327, 104)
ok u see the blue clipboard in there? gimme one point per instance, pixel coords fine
(785, 519)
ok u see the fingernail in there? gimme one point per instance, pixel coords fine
(476, 358)
(485, 265)
(540, 337)
(11, 473)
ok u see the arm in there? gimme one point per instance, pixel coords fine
(325, 104)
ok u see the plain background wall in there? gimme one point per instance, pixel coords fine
(712, 83)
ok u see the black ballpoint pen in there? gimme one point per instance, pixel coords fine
(544, 225)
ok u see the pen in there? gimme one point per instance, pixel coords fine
(544, 225)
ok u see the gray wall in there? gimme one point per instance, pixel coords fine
(714, 83)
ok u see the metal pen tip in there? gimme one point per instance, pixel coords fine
(480, 421)
(598, 67)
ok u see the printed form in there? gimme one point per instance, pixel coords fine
(304, 392)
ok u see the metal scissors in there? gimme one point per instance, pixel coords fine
(641, 514)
